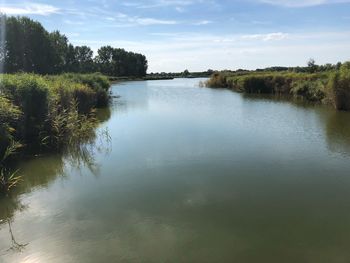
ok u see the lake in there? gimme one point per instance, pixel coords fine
(179, 173)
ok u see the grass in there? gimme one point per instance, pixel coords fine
(47, 112)
(332, 87)
(340, 86)
(8, 177)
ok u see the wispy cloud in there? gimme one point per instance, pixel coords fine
(71, 22)
(303, 3)
(161, 3)
(202, 23)
(29, 9)
(202, 51)
(153, 21)
(267, 37)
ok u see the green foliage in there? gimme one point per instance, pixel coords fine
(30, 94)
(8, 178)
(310, 86)
(340, 87)
(27, 47)
(32, 105)
(68, 127)
(118, 62)
(9, 118)
(218, 80)
(310, 90)
(98, 83)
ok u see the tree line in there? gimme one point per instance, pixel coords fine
(26, 46)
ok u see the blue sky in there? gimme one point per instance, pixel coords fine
(202, 34)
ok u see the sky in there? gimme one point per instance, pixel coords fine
(202, 34)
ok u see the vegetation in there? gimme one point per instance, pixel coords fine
(184, 74)
(323, 84)
(30, 48)
(46, 112)
(340, 86)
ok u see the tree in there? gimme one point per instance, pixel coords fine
(186, 73)
(26, 46)
(104, 60)
(59, 50)
(84, 59)
(311, 64)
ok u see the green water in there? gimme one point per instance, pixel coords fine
(180, 173)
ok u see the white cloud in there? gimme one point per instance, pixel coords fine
(71, 22)
(267, 37)
(302, 3)
(152, 21)
(29, 9)
(161, 3)
(195, 51)
(202, 23)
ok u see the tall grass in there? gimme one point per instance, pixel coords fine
(340, 86)
(309, 86)
(48, 111)
(8, 177)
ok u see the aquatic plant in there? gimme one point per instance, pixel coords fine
(323, 86)
(8, 177)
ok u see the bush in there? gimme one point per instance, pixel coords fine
(34, 108)
(9, 117)
(340, 86)
(257, 84)
(309, 86)
(311, 90)
(30, 94)
(217, 80)
(98, 83)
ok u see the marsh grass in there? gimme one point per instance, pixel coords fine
(331, 86)
(340, 87)
(8, 176)
(47, 112)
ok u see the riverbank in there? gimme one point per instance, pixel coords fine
(163, 76)
(328, 87)
(46, 113)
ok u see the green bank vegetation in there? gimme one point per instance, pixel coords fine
(323, 84)
(46, 112)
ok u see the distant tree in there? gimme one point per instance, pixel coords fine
(104, 60)
(58, 51)
(186, 73)
(311, 64)
(84, 59)
(338, 65)
(26, 46)
(71, 62)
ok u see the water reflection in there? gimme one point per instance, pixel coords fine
(41, 171)
(337, 128)
(197, 175)
(15, 246)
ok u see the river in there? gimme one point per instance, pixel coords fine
(179, 173)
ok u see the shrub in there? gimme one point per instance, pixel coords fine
(309, 86)
(98, 83)
(34, 109)
(30, 94)
(311, 90)
(256, 84)
(9, 117)
(217, 80)
(340, 86)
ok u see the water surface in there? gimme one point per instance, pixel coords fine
(189, 174)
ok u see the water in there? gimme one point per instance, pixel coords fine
(189, 174)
